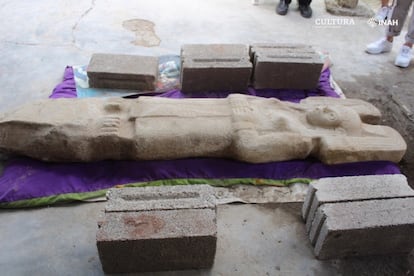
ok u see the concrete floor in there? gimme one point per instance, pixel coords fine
(39, 38)
(253, 239)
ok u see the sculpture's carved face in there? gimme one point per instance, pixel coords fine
(323, 116)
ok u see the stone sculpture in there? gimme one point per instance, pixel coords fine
(242, 127)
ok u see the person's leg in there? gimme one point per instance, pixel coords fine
(383, 12)
(398, 14)
(304, 8)
(404, 56)
(282, 7)
(409, 38)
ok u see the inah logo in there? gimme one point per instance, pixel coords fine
(372, 22)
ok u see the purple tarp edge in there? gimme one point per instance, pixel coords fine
(24, 178)
(67, 88)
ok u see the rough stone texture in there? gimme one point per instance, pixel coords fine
(160, 198)
(374, 227)
(266, 47)
(351, 4)
(216, 51)
(158, 228)
(246, 128)
(261, 194)
(157, 240)
(123, 71)
(369, 114)
(215, 67)
(242, 127)
(353, 188)
(361, 10)
(140, 85)
(285, 66)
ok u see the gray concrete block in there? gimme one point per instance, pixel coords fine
(266, 47)
(123, 71)
(215, 67)
(158, 228)
(157, 240)
(352, 188)
(160, 198)
(285, 66)
(217, 51)
(360, 228)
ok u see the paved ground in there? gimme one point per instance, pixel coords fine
(266, 239)
(39, 38)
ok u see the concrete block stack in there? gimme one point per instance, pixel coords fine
(215, 67)
(359, 216)
(158, 228)
(285, 66)
(123, 72)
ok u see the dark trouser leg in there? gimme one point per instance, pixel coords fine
(304, 2)
(305, 9)
(282, 7)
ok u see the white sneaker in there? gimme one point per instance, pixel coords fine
(378, 47)
(382, 14)
(404, 57)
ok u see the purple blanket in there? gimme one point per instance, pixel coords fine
(27, 183)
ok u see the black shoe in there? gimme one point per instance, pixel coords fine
(305, 11)
(282, 8)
